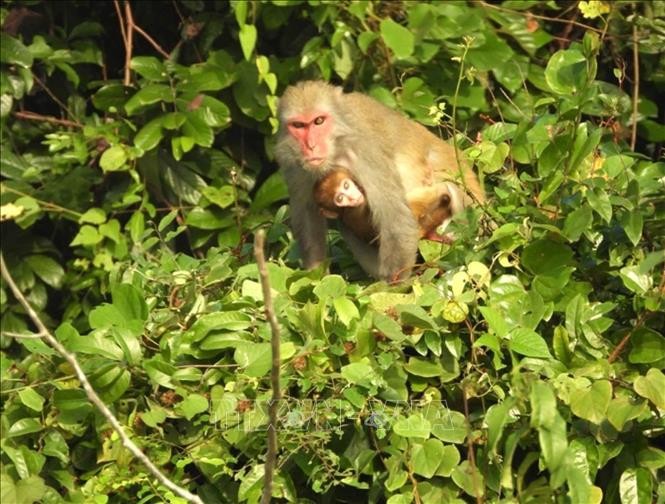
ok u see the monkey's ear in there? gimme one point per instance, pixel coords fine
(329, 214)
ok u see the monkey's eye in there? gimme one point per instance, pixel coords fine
(298, 124)
(346, 184)
(339, 199)
(319, 120)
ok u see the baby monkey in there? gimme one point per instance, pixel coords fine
(338, 195)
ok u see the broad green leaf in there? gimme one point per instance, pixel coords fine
(223, 196)
(247, 37)
(388, 327)
(47, 269)
(331, 286)
(578, 221)
(193, 405)
(272, 190)
(426, 457)
(93, 216)
(600, 202)
(23, 426)
(130, 302)
(527, 342)
(226, 320)
(360, 373)
(469, 478)
(197, 130)
(652, 387)
(636, 486)
(551, 427)
(150, 135)
(415, 426)
(31, 399)
(647, 346)
(255, 358)
(623, 409)
(635, 280)
(415, 316)
(113, 159)
(449, 460)
(398, 38)
(543, 256)
(87, 235)
(346, 310)
(149, 67)
(566, 72)
(632, 223)
(424, 368)
(13, 52)
(148, 95)
(592, 403)
(56, 446)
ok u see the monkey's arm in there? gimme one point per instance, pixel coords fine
(309, 226)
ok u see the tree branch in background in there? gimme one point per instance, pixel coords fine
(271, 455)
(636, 85)
(44, 333)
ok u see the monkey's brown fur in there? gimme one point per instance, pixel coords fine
(430, 209)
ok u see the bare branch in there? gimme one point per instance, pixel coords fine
(90, 392)
(271, 455)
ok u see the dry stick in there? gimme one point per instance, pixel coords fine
(636, 87)
(271, 455)
(90, 392)
(32, 116)
(151, 41)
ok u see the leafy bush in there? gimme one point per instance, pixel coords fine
(523, 362)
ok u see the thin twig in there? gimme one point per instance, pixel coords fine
(33, 116)
(38, 335)
(151, 41)
(53, 96)
(90, 392)
(624, 341)
(636, 87)
(271, 455)
(414, 484)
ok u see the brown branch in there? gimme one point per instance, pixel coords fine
(624, 341)
(414, 484)
(90, 392)
(151, 41)
(636, 87)
(129, 18)
(33, 116)
(271, 455)
(53, 96)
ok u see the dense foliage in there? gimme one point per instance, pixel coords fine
(521, 363)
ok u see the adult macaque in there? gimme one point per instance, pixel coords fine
(386, 153)
(339, 196)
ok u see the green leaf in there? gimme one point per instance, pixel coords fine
(632, 223)
(47, 269)
(152, 93)
(398, 38)
(578, 221)
(426, 457)
(647, 346)
(592, 403)
(193, 405)
(652, 387)
(543, 256)
(331, 286)
(247, 37)
(149, 67)
(527, 342)
(13, 52)
(636, 486)
(636, 280)
(223, 196)
(23, 426)
(346, 310)
(566, 72)
(150, 135)
(388, 327)
(360, 373)
(87, 235)
(113, 159)
(31, 399)
(272, 190)
(130, 302)
(424, 368)
(196, 128)
(93, 216)
(600, 202)
(415, 426)
(255, 358)
(56, 446)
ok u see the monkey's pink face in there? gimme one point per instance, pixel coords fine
(348, 194)
(312, 132)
